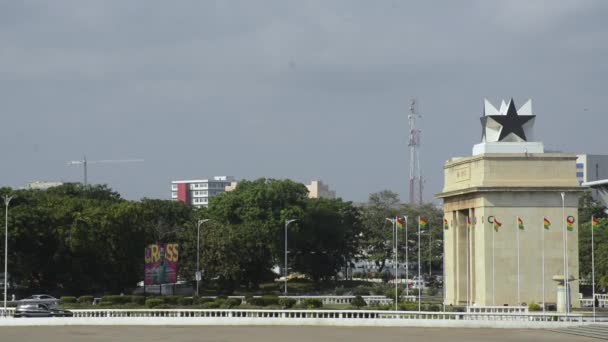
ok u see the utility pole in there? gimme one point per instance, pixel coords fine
(414, 144)
(85, 163)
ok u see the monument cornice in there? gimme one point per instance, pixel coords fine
(509, 156)
(488, 189)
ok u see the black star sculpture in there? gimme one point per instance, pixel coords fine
(511, 123)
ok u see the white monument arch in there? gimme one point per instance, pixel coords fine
(512, 216)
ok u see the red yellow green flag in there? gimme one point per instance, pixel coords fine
(446, 225)
(469, 222)
(546, 223)
(400, 222)
(423, 222)
(520, 223)
(497, 224)
(595, 222)
(570, 223)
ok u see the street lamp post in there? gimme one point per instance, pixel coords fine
(7, 200)
(287, 222)
(198, 254)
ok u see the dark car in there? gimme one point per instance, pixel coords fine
(40, 310)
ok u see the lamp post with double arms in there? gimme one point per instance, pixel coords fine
(198, 254)
(287, 222)
(7, 200)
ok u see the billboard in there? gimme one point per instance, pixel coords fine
(161, 263)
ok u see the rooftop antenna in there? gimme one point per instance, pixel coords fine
(84, 162)
(414, 144)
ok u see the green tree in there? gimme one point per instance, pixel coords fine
(325, 239)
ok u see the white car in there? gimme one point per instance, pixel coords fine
(41, 299)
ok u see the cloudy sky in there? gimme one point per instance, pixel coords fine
(286, 89)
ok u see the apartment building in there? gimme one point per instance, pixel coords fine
(197, 192)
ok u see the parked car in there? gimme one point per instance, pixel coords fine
(40, 310)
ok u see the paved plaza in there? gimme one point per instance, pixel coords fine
(274, 333)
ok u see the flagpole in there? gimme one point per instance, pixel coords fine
(543, 265)
(467, 251)
(443, 268)
(565, 247)
(396, 260)
(593, 268)
(493, 269)
(419, 279)
(430, 254)
(518, 291)
(407, 266)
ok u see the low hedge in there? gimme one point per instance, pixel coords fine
(287, 302)
(154, 302)
(230, 303)
(140, 300)
(67, 300)
(113, 300)
(86, 299)
(264, 301)
(312, 303)
(185, 301)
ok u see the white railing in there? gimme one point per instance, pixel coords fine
(328, 314)
(370, 300)
(497, 309)
(10, 312)
(602, 301)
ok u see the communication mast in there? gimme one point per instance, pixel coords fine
(416, 179)
(84, 162)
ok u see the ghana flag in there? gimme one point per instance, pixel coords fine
(595, 223)
(520, 223)
(497, 224)
(546, 223)
(422, 221)
(570, 223)
(445, 224)
(469, 222)
(400, 222)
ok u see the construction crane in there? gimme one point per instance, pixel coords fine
(84, 162)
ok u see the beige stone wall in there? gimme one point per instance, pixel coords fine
(499, 170)
(498, 194)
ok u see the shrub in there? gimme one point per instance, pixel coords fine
(172, 300)
(408, 306)
(68, 300)
(264, 301)
(139, 300)
(432, 291)
(114, 300)
(211, 305)
(86, 299)
(358, 302)
(433, 307)
(287, 303)
(154, 302)
(185, 301)
(339, 291)
(361, 291)
(203, 300)
(534, 307)
(358, 275)
(230, 303)
(312, 303)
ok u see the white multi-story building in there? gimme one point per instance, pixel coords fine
(591, 167)
(197, 192)
(317, 189)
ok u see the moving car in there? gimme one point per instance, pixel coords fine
(40, 298)
(40, 310)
